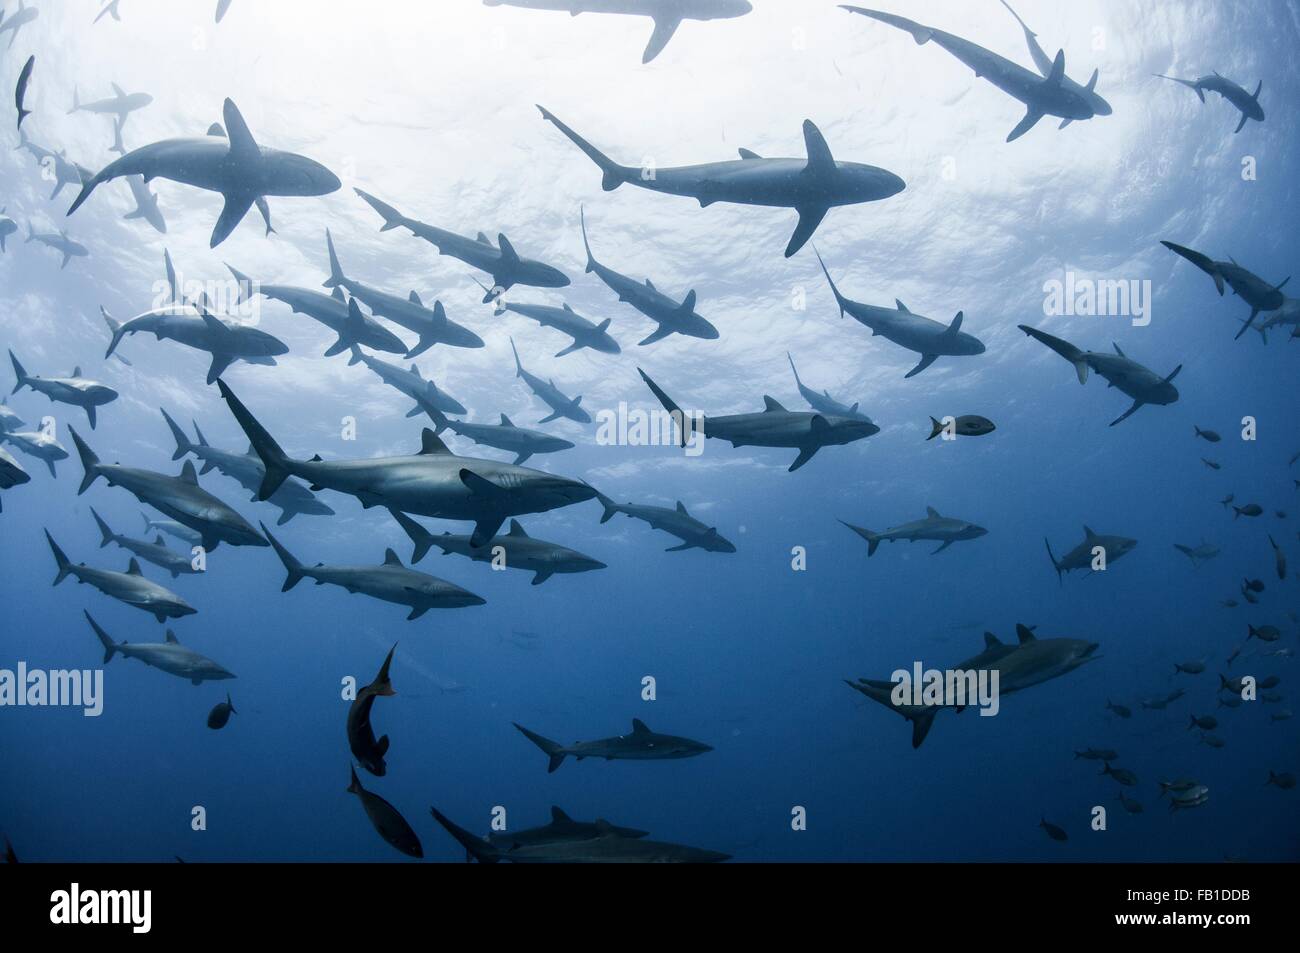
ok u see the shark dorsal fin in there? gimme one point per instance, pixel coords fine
(1024, 634)
(749, 154)
(990, 640)
(415, 300)
(171, 638)
(820, 160)
(1088, 533)
(118, 90)
(516, 530)
(931, 512)
(159, 541)
(558, 816)
(431, 443)
(603, 828)
(956, 324)
(242, 143)
(337, 293)
(1092, 83)
(391, 558)
(688, 303)
(681, 508)
(483, 239)
(901, 307)
(217, 130)
(639, 727)
(651, 285)
(76, 371)
(133, 567)
(771, 405)
(508, 253)
(565, 306)
(1117, 350)
(188, 474)
(1057, 74)
(505, 421)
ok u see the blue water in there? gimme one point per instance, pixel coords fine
(430, 106)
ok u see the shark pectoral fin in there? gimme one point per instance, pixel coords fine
(237, 207)
(519, 460)
(926, 361)
(555, 416)
(1241, 125)
(90, 413)
(1030, 120)
(946, 544)
(1246, 325)
(665, 26)
(1064, 123)
(810, 217)
(1137, 405)
(805, 454)
(416, 613)
(242, 144)
(219, 364)
(659, 334)
(541, 577)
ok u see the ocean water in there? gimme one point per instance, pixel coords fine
(431, 107)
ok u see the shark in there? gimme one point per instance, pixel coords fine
(1042, 96)
(1129, 377)
(1044, 64)
(155, 552)
(60, 242)
(17, 20)
(432, 326)
(387, 822)
(605, 845)
(20, 90)
(641, 744)
(434, 482)
(561, 829)
(944, 530)
(1287, 314)
(12, 473)
(672, 317)
(109, 9)
(120, 105)
(501, 261)
(774, 426)
(146, 205)
(666, 14)
(168, 656)
(515, 550)
(1081, 556)
(389, 582)
(504, 436)
(1198, 554)
(570, 408)
(223, 7)
(237, 167)
(8, 419)
(172, 528)
(429, 397)
(811, 186)
(1261, 295)
(64, 170)
(585, 333)
(179, 497)
(1246, 103)
(823, 402)
(929, 338)
(292, 498)
(368, 751)
(7, 227)
(75, 390)
(39, 444)
(194, 326)
(341, 315)
(1030, 662)
(675, 521)
(130, 587)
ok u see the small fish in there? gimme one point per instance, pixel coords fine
(20, 92)
(1229, 701)
(1254, 585)
(1283, 715)
(1097, 754)
(1131, 805)
(1234, 685)
(1285, 780)
(1214, 741)
(1054, 832)
(1282, 653)
(1209, 435)
(1122, 710)
(1205, 723)
(1265, 633)
(1189, 668)
(1211, 464)
(1229, 603)
(1192, 797)
(389, 824)
(1250, 509)
(1181, 786)
(968, 425)
(1176, 694)
(1227, 500)
(1250, 596)
(10, 856)
(1123, 775)
(219, 715)
(1279, 558)
(1233, 657)
(1270, 698)
(1271, 682)
(1280, 514)
(1155, 704)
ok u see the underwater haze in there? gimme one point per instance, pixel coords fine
(432, 109)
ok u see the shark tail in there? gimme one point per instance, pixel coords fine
(392, 217)
(614, 174)
(115, 328)
(89, 462)
(553, 750)
(591, 259)
(684, 425)
(110, 648)
(922, 718)
(475, 847)
(1190, 84)
(610, 507)
(936, 428)
(183, 443)
(275, 460)
(872, 538)
(104, 530)
(336, 277)
(19, 373)
(921, 34)
(292, 567)
(1055, 565)
(1203, 262)
(60, 558)
(1063, 348)
(420, 537)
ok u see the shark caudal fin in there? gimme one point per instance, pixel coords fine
(20, 374)
(1060, 578)
(1063, 348)
(89, 462)
(475, 847)
(392, 217)
(839, 298)
(110, 647)
(684, 425)
(554, 751)
(610, 507)
(116, 330)
(104, 530)
(1203, 262)
(383, 685)
(519, 365)
(872, 538)
(921, 716)
(614, 174)
(1190, 84)
(422, 539)
(183, 443)
(336, 277)
(292, 567)
(591, 259)
(273, 458)
(936, 428)
(65, 567)
(921, 34)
